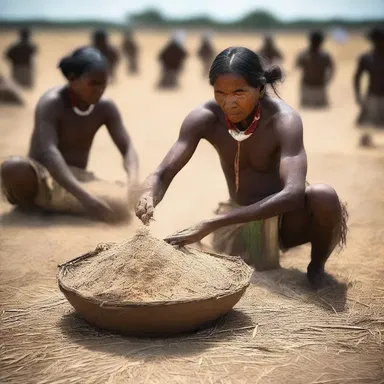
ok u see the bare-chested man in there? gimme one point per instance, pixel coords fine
(270, 52)
(131, 50)
(53, 176)
(259, 140)
(372, 63)
(317, 72)
(172, 58)
(21, 56)
(100, 41)
(206, 53)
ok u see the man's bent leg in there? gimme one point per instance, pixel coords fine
(19, 181)
(322, 223)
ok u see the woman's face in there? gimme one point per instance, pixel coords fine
(235, 96)
(90, 87)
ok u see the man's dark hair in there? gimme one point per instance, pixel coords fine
(316, 38)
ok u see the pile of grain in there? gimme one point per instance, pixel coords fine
(147, 269)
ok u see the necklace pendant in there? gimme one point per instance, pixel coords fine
(238, 135)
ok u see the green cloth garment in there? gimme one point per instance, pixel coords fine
(252, 236)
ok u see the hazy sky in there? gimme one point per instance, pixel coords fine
(219, 9)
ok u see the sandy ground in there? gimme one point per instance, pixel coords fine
(280, 332)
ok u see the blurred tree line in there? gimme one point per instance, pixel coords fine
(257, 19)
(152, 18)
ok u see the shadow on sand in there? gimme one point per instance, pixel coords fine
(85, 335)
(293, 283)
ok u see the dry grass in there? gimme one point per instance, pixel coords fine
(279, 331)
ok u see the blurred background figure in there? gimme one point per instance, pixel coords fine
(206, 52)
(340, 35)
(9, 94)
(269, 51)
(317, 69)
(21, 57)
(131, 51)
(172, 58)
(371, 63)
(100, 41)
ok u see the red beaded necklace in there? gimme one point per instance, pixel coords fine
(252, 127)
(240, 136)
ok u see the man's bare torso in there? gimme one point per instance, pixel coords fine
(75, 133)
(373, 63)
(271, 54)
(314, 66)
(259, 154)
(21, 53)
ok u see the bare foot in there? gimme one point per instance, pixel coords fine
(316, 276)
(366, 141)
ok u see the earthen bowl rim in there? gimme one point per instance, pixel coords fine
(124, 304)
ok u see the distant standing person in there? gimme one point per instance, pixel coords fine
(371, 63)
(9, 94)
(269, 51)
(317, 72)
(21, 57)
(206, 53)
(53, 177)
(131, 51)
(172, 58)
(101, 42)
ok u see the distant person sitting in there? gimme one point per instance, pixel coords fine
(131, 51)
(206, 53)
(317, 69)
(21, 56)
(101, 42)
(54, 177)
(270, 53)
(9, 94)
(371, 63)
(172, 58)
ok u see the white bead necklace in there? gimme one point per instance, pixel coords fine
(87, 112)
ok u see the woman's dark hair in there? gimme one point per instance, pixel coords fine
(81, 61)
(246, 63)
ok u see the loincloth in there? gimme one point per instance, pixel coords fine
(23, 75)
(257, 242)
(313, 96)
(372, 111)
(51, 196)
